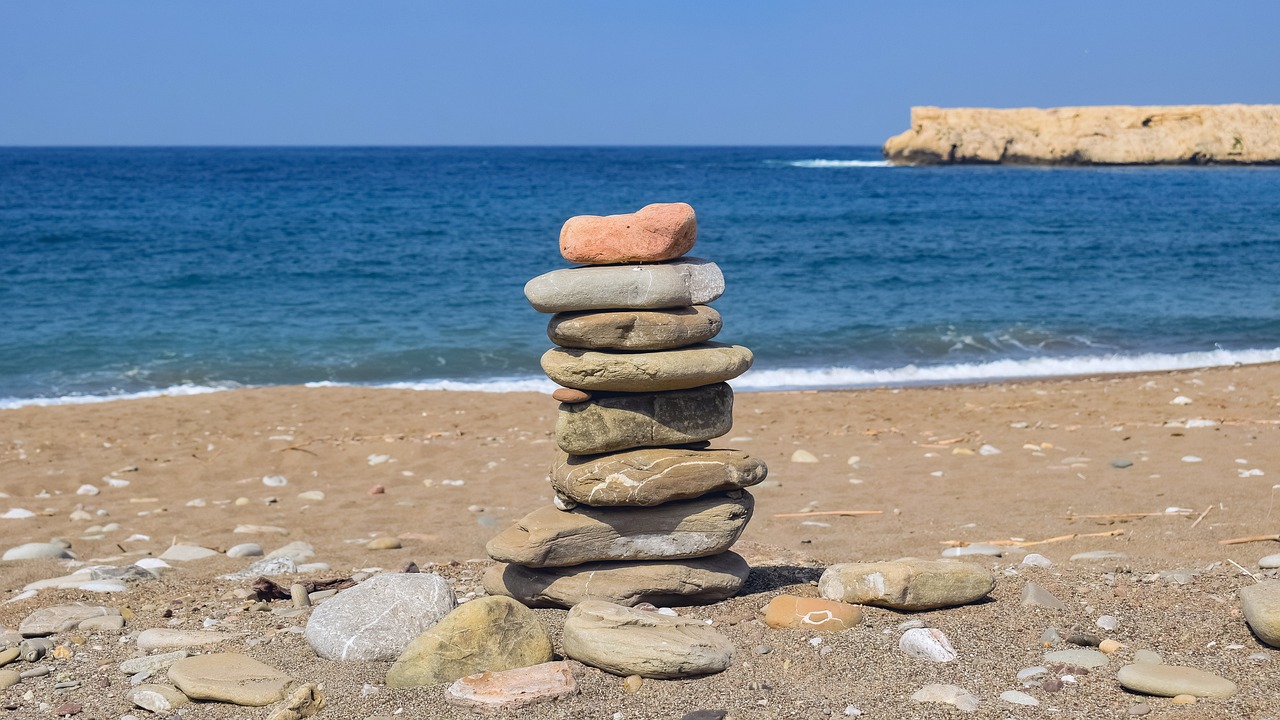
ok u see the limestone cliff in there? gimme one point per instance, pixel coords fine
(1112, 135)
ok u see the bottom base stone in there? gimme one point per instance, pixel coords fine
(696, 581)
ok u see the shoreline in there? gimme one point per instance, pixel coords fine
(523, 384)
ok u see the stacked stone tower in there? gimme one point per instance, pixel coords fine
(645, 510)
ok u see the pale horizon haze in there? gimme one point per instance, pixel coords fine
(588, 73)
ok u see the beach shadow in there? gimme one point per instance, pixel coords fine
(770, 578)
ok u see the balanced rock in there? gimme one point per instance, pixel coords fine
(1261, 604)
(907, 584)
(230, 678)
(678, 283)
(652, 476)
(790, 611)
(635, 329)
(626, 641)
(621, 422)
(680, 582)
(662, 231)
(487, 634)
(550, 537)
(1171, 680)
(690, 367)
(511, 689)
(376, 619)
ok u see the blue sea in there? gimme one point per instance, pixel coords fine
(143, 271)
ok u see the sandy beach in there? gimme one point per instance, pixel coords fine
(1159, 467)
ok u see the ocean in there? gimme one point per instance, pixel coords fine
(144, 271)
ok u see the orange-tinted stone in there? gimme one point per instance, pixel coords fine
(790, 611)
(663, 231)
(570, 395)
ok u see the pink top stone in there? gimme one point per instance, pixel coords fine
(654, 233)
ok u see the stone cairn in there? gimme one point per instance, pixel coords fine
(644, 510)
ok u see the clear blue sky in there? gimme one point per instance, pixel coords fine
(597, 72)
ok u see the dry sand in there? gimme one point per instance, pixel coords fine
(457, 467)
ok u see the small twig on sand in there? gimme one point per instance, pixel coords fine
(1126, 515)
(1029, 543)
(1249, 539)
(1206, 512)
(1246, 572)
(831, 512)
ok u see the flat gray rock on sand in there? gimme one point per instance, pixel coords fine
(906, 584)
(626, 641)
(677, 283)
(59, 618)
(1261, 605)
(621, 422)
(635, 329)
(680, 369)
(550, 537)
(1172, 680)
(230, 678)
(165, 638)
(676, 582)
(652, 476)
(376, 619)
(37, 551)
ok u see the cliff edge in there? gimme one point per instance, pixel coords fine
(1104, 135)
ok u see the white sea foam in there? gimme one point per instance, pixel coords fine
(821, 163)
(176, 390)
(845, 377)
(786, 378)
(496, 385)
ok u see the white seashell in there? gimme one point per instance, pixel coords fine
(927, 644)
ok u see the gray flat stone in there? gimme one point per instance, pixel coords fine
(1078, 657)
(165, 638)
(626, 641)
(1270, 561)
(1099, 555)
(652, 476)
(906, 584)
(549, 537)
(378, 618)
(616, 371)
(621, 422)
(1171, 680)
(151, 663)
(663, 583)
(59, 618)
(37, 551)
(678, 283)
(187, 553)
(635, 329)
(1034, 595)
(231, 678)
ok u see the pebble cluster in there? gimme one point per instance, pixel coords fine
(644, 511)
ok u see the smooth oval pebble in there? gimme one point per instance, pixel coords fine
(928, 644)
(570, 395)
(1018, 698)
(1171, 680)
(384, 543)
(1266, 563)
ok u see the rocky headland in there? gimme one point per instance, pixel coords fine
(1104, 135)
